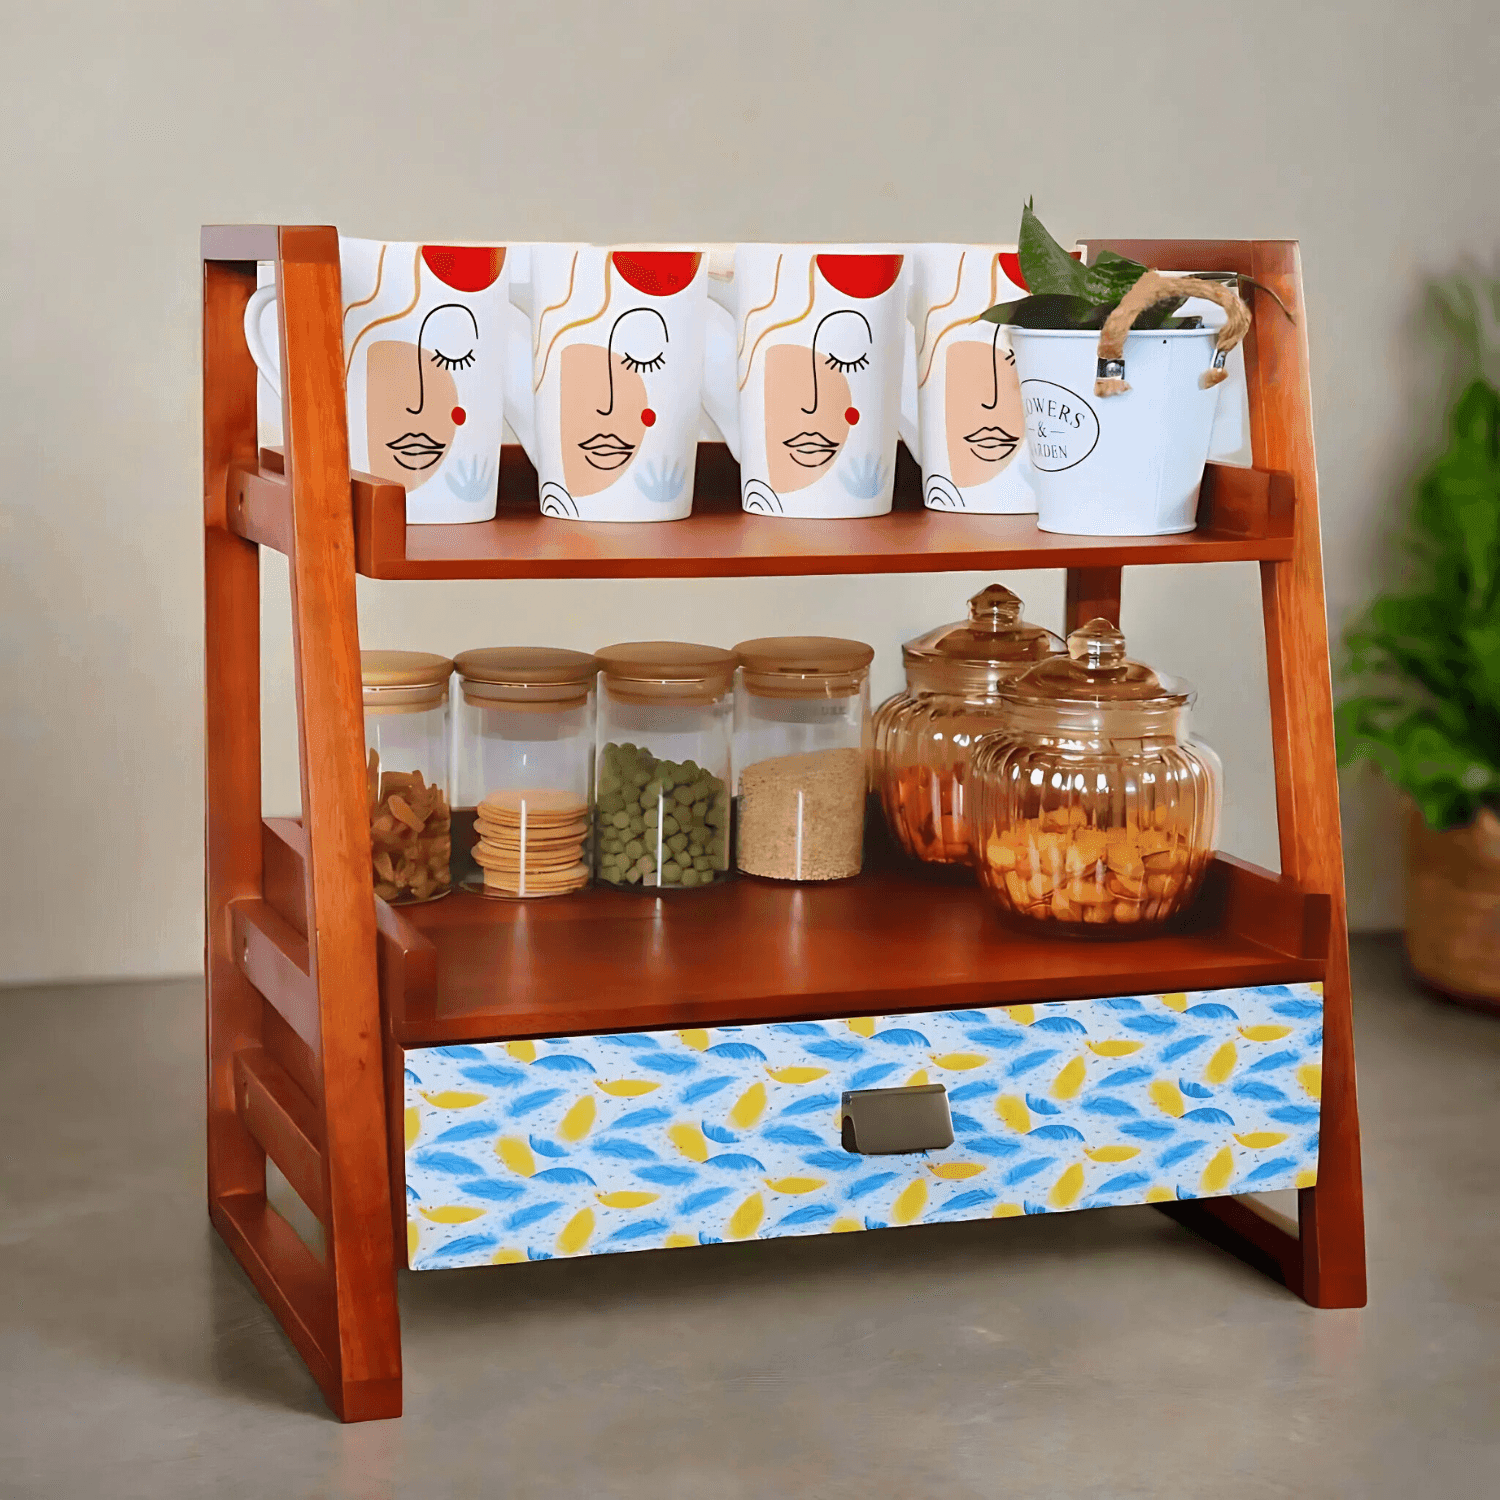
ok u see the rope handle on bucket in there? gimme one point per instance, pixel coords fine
(1152, 288)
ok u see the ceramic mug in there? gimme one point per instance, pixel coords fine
(961, 403)
(605, 377)
(424, 357)
(806, 383)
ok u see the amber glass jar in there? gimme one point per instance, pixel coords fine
(1094, 812)
(923, 736)
(406, 773)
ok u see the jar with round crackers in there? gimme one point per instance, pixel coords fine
(801, 742)
(924, 735)
(524, 764)
(662, 810)
(1096, 814)
(406, 773)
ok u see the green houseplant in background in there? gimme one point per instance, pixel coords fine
(1425, 662)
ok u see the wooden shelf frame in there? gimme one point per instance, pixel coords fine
(314, 987)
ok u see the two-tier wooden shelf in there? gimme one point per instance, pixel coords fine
(315, 988)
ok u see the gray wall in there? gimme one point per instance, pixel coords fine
(1366, 130)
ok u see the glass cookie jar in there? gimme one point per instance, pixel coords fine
(924, 735)
(1095, 813)
(661, 810)
(524, 776)
(406, 772)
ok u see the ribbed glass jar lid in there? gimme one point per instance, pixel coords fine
(1096, 673)
(973, 656)
(804, 666)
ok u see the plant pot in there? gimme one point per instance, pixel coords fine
(1123, 465)
(1453, 908)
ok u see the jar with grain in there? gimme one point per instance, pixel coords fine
(406, 772)
(1095, 813)
(661, 812)
(802, 729)
(524, 770)
(923, 736)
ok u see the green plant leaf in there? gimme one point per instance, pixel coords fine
(1048, 268)
(1111, 276)
(1049, 310)
(1427, 656)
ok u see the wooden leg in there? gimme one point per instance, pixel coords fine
(231, 566)
(339, 889)
(1093, 592)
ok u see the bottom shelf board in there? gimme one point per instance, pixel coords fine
(752, 950)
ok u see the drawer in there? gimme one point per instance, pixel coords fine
(525, 1150)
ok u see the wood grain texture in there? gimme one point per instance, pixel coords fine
(330, 721)
(1277, 368)
(284, 1121)
(719, 539)
(751, 950)
(232, 852)
(273, 956)
(1092, 593)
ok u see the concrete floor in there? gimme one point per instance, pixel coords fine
(1099, 1354)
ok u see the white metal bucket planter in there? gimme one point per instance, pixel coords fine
(1113, 457)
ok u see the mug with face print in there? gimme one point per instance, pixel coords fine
(424, 353)
(961, 403)
(605, 377)
(806, 384)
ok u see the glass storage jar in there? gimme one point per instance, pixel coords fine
(801, 738)
(1095, 814)
(524, 770)
(923, 736)
(406, 771)
(666, 714)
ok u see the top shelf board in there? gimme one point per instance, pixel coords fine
(1245, 515)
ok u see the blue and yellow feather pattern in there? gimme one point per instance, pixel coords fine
(582, 1145)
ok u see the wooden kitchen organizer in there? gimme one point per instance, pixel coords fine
(315, 987)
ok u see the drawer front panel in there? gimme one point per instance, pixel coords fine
(587, 1145)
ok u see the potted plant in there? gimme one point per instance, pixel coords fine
(1426, 660)
(1115, 454)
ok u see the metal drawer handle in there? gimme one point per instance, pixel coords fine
(890, 1122)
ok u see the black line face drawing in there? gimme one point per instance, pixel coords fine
(458, 361)
(983, 419)
(811, 380)
(651, 352)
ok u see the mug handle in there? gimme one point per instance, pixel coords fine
(520, 400)
(909, 423)
(720, 372)
(1152, 288)
(266, 362)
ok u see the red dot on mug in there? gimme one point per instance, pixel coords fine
(851, 416)
(648, 417)
(459, 415)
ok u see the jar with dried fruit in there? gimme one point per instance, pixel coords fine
(1095, 813)
(802, 723)
(923, 737)
(661, 814)
(524, 773)
(406, 771)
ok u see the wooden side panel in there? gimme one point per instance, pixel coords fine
(1092, 593)
(1332, 1213)
(326, 644)
(232, 721)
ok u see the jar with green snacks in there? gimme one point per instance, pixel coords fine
(666, 719)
